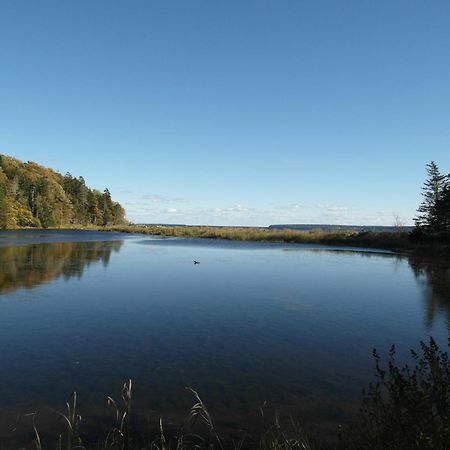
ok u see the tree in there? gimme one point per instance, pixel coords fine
(35, 196)
(399, 223)
(443, 212)
(107, 207)
(433, 190)
(4, 203)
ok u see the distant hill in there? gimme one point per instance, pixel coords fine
(324, 227)
(35, 196)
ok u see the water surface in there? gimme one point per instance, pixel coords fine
(293, 325)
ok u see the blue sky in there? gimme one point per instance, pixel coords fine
(232, 112)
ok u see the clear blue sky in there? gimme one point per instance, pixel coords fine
(232, 112)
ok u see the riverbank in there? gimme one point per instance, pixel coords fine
(397, 241)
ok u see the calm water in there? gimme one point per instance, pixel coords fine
(294, 325)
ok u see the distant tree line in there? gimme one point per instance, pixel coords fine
(35, 196)
(433, 219)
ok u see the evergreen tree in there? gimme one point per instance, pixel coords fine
(443, 212)
(107, 207)
(433, 190)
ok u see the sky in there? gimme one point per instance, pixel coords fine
(236, 112)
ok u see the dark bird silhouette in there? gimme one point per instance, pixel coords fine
(196, 262)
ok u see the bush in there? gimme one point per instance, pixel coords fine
(407, 408)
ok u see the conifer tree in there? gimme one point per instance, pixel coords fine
(433, 190)
(107, 207)
(443, 212)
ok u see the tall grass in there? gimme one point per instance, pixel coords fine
(196, 432)
(398, 241)
(383, 240)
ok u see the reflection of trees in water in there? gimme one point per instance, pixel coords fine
(29, 266)
(434, 275)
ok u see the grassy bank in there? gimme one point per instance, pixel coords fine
(397, 241)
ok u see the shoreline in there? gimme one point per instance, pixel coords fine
(396, 242)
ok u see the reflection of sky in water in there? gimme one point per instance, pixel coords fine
(251, 322)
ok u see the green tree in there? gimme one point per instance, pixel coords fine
(443, 212)
(32, 195)
(433, 190)
(4, 203)
(107, 207)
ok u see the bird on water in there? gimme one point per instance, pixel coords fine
(196, 262)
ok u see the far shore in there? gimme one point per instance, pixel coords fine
(396, 241)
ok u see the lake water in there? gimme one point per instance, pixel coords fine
(293, 325)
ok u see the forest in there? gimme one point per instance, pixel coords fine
(35, 196)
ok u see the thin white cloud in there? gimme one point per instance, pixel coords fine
(157, 198)
(250, 216)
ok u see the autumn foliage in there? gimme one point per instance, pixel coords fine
(35, 196)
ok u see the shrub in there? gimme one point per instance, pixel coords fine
(407, 407)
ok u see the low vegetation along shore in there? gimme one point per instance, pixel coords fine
(382, 240)
(397, 241)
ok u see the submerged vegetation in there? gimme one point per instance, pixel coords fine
(34, 196)
(407, 407)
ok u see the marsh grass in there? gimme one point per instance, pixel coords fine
(197, 431)
(382, 240)
(397, 241)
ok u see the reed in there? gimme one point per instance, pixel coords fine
(196, 432)
(396, 241)
(382, 240)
